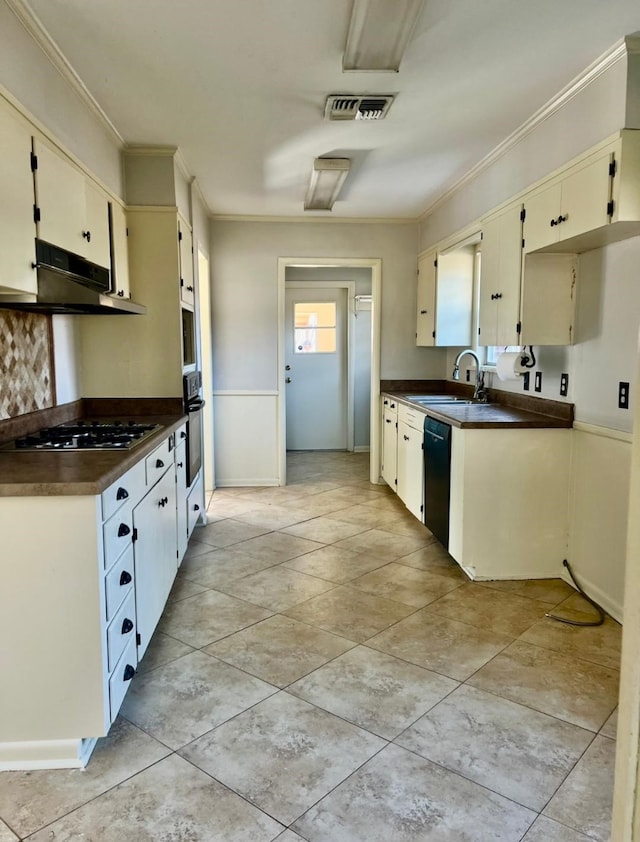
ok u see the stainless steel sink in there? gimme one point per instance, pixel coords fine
(435, 400)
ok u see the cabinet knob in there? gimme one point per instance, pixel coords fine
(87, 235)
(123, 530)
(128, 673)
(159, 463)
(163, 501)
(196, 507)
(388, 420)
(125, 578)
(122, 494)
(127, 625)
(393, 406)
(406, 438)
(180, 464)
(562, 218)
(190, 289)
(183, 435)
(120, 293)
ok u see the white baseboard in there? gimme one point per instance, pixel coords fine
(254, 482)
(362, 448)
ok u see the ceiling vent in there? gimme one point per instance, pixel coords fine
(345, 107)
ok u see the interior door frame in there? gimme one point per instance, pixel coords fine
(351, 291)
(375, 265)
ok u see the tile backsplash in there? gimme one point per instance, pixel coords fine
(26, 366)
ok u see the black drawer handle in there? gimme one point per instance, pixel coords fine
(87, 235)
(406, 438)
(129, 672)
(423, 312)
(163, 501)
(122, 494)
(125, 578)
(127, 625)
(120, 293)
(196, 507)
(159, 463)
(183, 435)
(393, 406)
(123, 530)
(388, 420)
(190, 289)
(180, 464)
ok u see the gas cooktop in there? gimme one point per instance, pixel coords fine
(85, 435)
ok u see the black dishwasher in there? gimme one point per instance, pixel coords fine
(437, 478)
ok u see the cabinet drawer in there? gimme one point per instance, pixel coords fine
(129, 487)
(194, 505)
(118, 534)
(157, 462)
(121, 630)
(410, 416)
(121, 678)
(389, 404)
(119, 582)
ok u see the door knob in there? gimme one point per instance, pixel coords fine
(287, 380)
(287, 368)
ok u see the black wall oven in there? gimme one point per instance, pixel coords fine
(193, 406)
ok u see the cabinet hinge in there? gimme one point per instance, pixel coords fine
(523, 242)
(181, 282)
(523, 214)
(34, 162)
(395, 482)
(482, 235)
(421, 508)
(179, 235)
(519, 327)
(36, 213)
(435, 263)
(434, 334)
(610, 208)
(126, 231)
(138, 639)
(134, 536)
(612, 168)
(478, 331)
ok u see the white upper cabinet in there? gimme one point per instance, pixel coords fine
(185, 242)
(17, 227)
(574, 205)
(73, 211)
(426, 300)
(445, 298)
(500, 276)
(119, 252)
(592, 202)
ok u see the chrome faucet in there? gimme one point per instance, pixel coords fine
(479, 393)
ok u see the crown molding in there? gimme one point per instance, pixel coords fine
(611, 57)
(36, 30)
(145, 149)
(333, 220)
(195, 187)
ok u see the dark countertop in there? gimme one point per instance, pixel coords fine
(495, 415)
(85, 472)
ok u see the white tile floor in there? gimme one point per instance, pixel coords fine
(325, 672)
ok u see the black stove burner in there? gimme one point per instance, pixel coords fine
(86, 435)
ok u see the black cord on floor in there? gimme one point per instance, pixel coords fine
(597, 622)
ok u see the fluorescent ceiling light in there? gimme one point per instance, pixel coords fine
(327, 178)
(379, 32)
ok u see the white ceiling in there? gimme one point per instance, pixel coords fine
(240, 87)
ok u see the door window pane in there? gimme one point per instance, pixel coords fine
(315, 327)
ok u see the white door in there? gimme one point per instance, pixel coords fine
(316, 368)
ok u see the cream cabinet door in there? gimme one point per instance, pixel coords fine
(60, 197)
(585, 197)
(17, 228)
(541, 214)
(97, 246)
(426, 300)
(185, 242)
(500, 275)
(410, 468)
(390, 448)
(120, 252)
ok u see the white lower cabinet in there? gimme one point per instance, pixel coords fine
(82, 592)
(410, 468)
(194, 504)
(390, 447)
(155, 554)
(509, 515)
(181, 498)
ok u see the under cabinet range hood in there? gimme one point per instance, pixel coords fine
(68, 283)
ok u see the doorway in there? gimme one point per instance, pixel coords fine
(374, 267)
(319, 366)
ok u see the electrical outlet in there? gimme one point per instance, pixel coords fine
(623, 395)
(564, 384)
(525, 380)
(538, 386)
